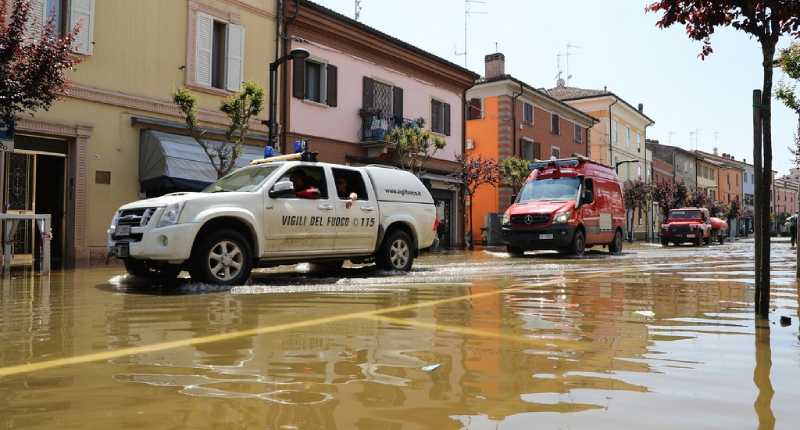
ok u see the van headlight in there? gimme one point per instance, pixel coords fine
(170, 215)
(562, 217)
(506, 220)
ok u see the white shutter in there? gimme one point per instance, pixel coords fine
(38, 14)
(203, 40)
(235, 59)
(82, 11)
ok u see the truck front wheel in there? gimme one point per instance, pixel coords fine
(578, 245)
(396, 252)
(615, 247)
(222, 257)
(514, 251)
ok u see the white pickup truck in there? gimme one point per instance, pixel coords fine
(254, 217)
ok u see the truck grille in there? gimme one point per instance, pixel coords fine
(681, 229)
(135, 218)
(530, 220)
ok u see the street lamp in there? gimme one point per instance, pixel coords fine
(273, 67)
(616, 166)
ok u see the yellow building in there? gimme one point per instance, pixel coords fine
(81, 160)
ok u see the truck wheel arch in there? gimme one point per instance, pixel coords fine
(237, 224)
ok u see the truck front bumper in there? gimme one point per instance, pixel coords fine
(539, 239)
(172, 243)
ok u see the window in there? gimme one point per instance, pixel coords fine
(555, 124)
(475, 110)
(555, 152)
(440, 117)
(614, 131)
(67, 14)
(639, 171)
(219, 53)
(638, 142)
(529, 150)
(315, 81)
(527, 109)
(744, 177)
(627, 137)
(382, 96)
(578, 133)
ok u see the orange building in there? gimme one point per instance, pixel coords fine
(509, 118)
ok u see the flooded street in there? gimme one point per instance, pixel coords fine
(655, 338)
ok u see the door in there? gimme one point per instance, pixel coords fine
(296, 225)
(356, 226)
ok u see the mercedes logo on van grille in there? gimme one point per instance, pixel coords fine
(529, 219)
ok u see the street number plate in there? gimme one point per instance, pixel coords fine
(122, 230)
(545, 236)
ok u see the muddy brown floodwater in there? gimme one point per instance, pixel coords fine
(655, 338)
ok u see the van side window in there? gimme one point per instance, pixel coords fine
(313, 177)
(588, 185)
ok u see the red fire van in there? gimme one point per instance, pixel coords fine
(566, 205)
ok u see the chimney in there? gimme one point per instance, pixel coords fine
(495, 65)
(641, 107)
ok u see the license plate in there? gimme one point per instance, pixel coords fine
(689, 235)
(545, 236)
(122, 230)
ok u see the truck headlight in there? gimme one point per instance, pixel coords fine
(562, 217)
(506, 219)
(170, 215)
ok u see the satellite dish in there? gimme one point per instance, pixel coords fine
(560, 82)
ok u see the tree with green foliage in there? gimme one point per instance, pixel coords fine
(240, 107)
(415, 146)
(32, 69)
(765, 21)
(790, 65)
(515, 173)
(474, 172)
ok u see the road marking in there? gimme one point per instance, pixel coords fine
(108, 355)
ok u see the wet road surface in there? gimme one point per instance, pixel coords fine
(655, 338)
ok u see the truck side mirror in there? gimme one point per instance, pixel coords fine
(588, 197)
(281, 189)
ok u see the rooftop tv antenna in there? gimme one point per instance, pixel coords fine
(467, 11)
(358, 9)
(569, 45)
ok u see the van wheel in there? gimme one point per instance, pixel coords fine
(396, 252)
(146, 269)
(664, 242)
(578, 245)
(223, 257)
(615, 247)
(515, 251)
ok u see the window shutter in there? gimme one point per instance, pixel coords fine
(475, 108)
(447, 119)
(435, 116)
(578, 131)
(205, 32)
(235, 66)
(38, 15)
(555, 124)
(333, 93)
(298, 78)
(397, 108)
(82, 11)
(537, 150)
(367, 98)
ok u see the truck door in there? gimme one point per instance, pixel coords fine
(356, 226)
(590, 214)
(296, 225)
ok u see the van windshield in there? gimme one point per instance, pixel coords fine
(550, 189)
(245, 179)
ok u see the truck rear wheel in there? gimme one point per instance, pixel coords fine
(147, 269)
(578, 245)
(222, 257)
(396, 252)
(664, 242)
(615, 247)
(721, 239)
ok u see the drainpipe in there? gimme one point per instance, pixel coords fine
(514, 120)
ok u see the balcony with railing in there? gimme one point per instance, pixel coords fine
(375, 133)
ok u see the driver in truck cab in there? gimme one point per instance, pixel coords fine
(302, 185)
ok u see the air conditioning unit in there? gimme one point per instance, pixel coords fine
(470, 144)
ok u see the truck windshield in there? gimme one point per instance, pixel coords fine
(245, 179)
(684, 214)
(550, 189)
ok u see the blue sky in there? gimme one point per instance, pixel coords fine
(696, 104)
